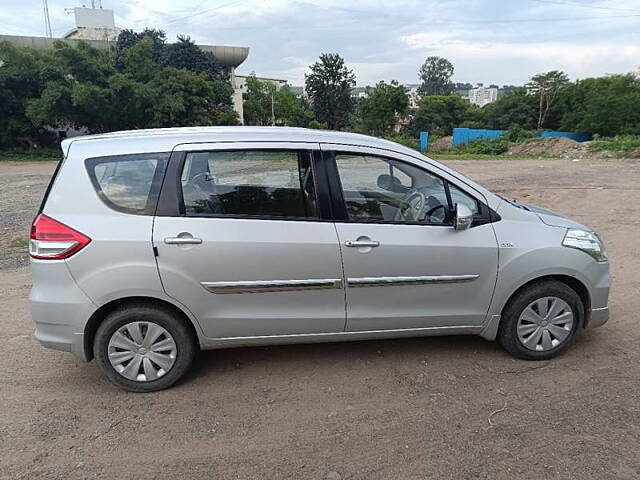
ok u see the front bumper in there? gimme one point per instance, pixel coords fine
(598, 317)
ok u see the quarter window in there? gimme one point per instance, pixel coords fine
(128, 183)
(249, 183)
(458, 196)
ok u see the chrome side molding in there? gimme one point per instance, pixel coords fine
(396, 281)
(265, 286)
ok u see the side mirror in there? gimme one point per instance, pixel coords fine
(463, 217)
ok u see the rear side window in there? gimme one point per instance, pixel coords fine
(255, 183)
(128, 183)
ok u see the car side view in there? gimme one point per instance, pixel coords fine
(153, 244)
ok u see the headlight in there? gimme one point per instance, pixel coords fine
(586, 241)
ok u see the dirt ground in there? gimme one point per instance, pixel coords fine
(402, 409)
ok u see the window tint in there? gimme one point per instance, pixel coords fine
(249, 183)
(382, 189)
(128, 183)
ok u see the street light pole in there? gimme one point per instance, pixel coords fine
(273, 114)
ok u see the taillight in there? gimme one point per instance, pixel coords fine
(52, 240)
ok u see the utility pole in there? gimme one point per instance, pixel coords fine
(273, 114)
(47, 22)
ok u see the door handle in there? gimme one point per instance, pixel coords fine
(182, 241)
(362, 243)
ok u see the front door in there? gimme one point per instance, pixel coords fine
(405, 265)
(248, 252)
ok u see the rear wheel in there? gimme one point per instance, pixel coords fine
(540, 321)
(144, 348)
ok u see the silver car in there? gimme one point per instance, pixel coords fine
(151, 245)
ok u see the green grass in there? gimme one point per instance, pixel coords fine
(20, 155)
(480, 156)
(20, 243)
(619, 143)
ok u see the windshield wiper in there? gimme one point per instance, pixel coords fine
(515, 203)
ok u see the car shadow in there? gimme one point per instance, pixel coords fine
(343, 354)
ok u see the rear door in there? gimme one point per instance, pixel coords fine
(251, 250)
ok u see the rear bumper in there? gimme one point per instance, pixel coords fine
(598, 317)
(60, 310)
(59, 337)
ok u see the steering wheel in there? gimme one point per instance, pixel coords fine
(413, 205)
(417, 208)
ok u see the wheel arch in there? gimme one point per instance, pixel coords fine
(572, 282)
(490, 331)
(103, 311)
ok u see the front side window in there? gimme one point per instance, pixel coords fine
(261, 183)
(128, 183)
(382, 189)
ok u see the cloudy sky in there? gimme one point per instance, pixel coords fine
(489, 41)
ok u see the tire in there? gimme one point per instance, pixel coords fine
(522, 344)
(174, 349)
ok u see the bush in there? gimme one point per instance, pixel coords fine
(493, 146)
(31, 154)
(619, 143)
(405, 140)
(517, 134)
(315, 124)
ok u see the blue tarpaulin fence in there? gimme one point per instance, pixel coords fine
(466, 135)
(424, 141)
(578, 137)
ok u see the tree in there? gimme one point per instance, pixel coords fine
(186, 99)
(382, 108)
(438, 114)
(258, 102)
(128, 38)
(435, 75)
(22, 77)
(546, 87)
(295, 112)
(80, 96)
(515, 108)
(607, 105)
(329, 86)
(90, 92)
(267, 104)
(186, 54)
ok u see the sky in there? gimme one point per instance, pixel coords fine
(489, 41)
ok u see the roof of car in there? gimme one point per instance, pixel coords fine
(166, 139)
(240, 134)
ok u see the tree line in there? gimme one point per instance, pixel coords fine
(143, 82)
(605, 106)
(146, 82)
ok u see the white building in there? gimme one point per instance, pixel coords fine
(94, 24)
(411, 89)
(483, 96)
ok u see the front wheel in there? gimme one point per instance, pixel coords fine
(144, 348)
(540, 321)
